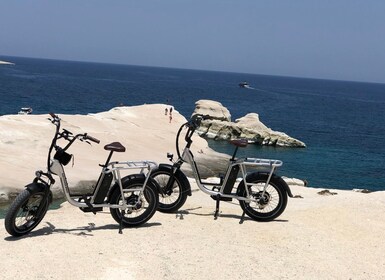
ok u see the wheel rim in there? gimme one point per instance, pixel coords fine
(137, 204)
(267, 200)
(27, 216)
(169, 198)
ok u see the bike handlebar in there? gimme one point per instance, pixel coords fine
(67, 135)
(192, 124)
(93, 139)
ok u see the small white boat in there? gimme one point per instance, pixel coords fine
(6, 62)
(244, 84)
(25, 111)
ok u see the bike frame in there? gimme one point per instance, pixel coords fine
(267, 165)
(115, 168)
(55, 166)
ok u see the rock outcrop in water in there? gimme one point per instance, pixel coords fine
(248, 127)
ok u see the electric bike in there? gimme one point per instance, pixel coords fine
(132, 200)
(261, 193)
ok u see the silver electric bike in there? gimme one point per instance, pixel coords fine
(132, 200)
(261, 193)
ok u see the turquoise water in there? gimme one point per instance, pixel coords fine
(342, 123)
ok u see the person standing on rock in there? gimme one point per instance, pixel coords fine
(170, 114)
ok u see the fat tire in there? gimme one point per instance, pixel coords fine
(165, 173)
(150, 195)
(23, 200)
(276, 184)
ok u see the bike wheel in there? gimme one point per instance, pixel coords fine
(142, 205)
(170, 201)
(27, 210)
(271, 202)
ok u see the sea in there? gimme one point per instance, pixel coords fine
(342, 123)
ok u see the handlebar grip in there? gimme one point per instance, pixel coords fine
(52, 115)
(97, 141)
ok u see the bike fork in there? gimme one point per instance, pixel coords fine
(170, 181)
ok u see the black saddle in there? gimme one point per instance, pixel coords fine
(239, 142)
(115, 147)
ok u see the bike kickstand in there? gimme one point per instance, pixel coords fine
(217, 207)
(242, 218)
(121, 222)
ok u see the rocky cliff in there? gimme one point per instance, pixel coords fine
(248, 127)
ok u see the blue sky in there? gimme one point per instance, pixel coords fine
(343, 40)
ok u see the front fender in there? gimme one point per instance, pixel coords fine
(40, 187)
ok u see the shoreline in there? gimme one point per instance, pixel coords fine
(23, 136)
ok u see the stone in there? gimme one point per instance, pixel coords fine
(212, 108)
(326, 192)
(249, 127)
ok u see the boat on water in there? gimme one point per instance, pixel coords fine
(25, 111)
(244, 84)
(6, 62)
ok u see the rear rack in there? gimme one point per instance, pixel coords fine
(268, 165)
(125, 165)
(262, 162)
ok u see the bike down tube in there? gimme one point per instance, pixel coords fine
(187, 157)
(58, 169)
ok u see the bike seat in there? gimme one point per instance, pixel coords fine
(115, 147)
(239, 142)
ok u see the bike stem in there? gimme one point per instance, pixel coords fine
(234, 154)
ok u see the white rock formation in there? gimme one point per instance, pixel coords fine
(144, 130)
(212, 108)
(248, 127)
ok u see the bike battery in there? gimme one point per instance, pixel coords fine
(231, 180)
(104, 187)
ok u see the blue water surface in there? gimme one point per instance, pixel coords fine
(342, 123)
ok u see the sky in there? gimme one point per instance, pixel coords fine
(326, 39)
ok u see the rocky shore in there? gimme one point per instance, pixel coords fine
(249, 127)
